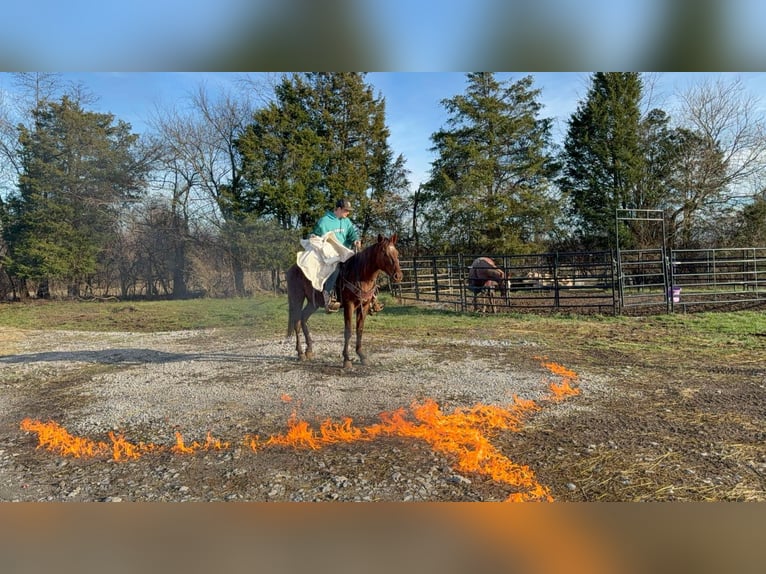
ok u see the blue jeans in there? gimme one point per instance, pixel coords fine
(329, 284)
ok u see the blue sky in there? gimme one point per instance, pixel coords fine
(413, 109)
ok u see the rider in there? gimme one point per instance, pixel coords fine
(338, 221)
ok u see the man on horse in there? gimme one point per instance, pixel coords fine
(337, 221)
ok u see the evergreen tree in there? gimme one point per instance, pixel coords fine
(489, 189)
(76, 169)
(603, 157)
(324, 137)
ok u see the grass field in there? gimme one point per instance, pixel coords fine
(725, 336)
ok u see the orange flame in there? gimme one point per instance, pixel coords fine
(563, 389)
(209, 444)
(465, 435)
(55, 438)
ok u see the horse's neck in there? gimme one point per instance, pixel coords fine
(362, 262)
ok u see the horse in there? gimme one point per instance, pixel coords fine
(485, 277)
(357, 286)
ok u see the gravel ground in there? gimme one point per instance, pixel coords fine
(147, 387)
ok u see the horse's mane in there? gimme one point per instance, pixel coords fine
(358, 261)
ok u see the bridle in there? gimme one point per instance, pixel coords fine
(366, 295)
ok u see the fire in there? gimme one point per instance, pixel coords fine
(55, 438)
(209, 444)
(563, 389)
(463, 435)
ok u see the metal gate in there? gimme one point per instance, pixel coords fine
(644, 275)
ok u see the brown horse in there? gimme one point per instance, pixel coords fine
(357, 285)
(484, 277)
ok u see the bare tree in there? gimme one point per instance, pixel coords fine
(721, 139)
(177, 173)
(222, 120)
(200, 163)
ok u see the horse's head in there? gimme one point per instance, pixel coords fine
(387, 257)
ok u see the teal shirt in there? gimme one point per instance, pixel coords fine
(344, 230)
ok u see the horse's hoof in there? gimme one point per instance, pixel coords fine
(309, 354)
(346, 364)
(301, 357)
(364, 361)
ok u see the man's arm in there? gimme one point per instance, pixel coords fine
(352, 236)
(319, 227)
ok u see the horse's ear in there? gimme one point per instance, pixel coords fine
(380, 237)
(394, 237)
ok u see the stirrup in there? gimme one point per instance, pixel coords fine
(330, 306)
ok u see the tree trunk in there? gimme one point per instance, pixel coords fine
(43, 289)
(180, 289)
(239, 277)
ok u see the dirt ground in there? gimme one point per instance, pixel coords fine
(644, 427)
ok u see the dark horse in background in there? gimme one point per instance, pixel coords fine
(357, 285)
(484, 278)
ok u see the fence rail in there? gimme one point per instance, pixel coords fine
(710, 276)
(594, 282)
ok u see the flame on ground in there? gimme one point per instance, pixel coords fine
(463, 435)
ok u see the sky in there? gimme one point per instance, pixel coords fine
(413, 108)
(413, 99)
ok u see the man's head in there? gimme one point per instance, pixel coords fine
(342, 208)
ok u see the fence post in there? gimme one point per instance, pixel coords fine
(556, 301)
(415, 277)
(462, 279)
(616, 281)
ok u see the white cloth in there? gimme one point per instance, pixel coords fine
(321, 257)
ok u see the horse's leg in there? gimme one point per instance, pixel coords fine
(361, 313)
(491, 300)
(297, 327)
(308, 310)
(294, 324)
(348, 309)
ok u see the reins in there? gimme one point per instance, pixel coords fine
(363, 295)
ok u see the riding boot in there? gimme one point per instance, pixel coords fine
(330, 306)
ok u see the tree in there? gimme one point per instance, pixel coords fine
(603, 159)
(322, 138)
(749, 229)
(76, 169)
(200, 161)
(721, 148)
(176, 146)
(490, 186)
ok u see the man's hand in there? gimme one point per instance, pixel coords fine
(357, 245)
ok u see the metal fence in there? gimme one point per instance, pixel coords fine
(604, 282)
(704, 277)
(550, 281)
